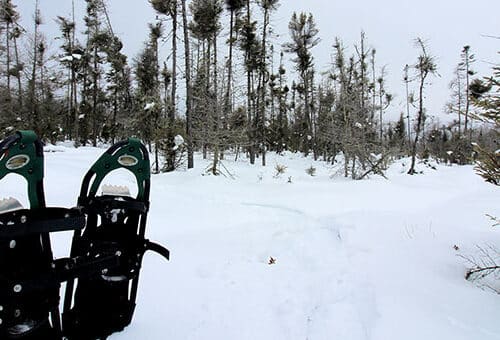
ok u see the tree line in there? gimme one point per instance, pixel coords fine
(225, 89)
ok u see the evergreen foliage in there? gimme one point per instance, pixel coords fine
(245, 101)
(487, 99)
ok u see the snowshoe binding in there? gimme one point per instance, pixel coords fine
(29, 275)
(101, 304)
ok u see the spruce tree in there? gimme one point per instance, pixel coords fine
(487, 99)
(303, 32)
(424, 67)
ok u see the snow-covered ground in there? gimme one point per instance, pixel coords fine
(371, 259)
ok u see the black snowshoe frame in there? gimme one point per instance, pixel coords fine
(102, 272)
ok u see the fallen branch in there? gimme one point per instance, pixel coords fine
(375, 168)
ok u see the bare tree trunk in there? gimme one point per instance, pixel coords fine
(69, 98)
(216, 111)
(18, 76)
(172, 108)
(9, 93)
(419, 124)
(262, 84)
(313, 121)
(353, 168)
(174, 64)
(228, 108)
(74, 98)
(346, 165)
(459, 93)
(407, 106)
(249, 99)
(363, 67)
(282, 107)
(207, 110)
(187, 64)
(33, 73)
(115, 113)
(374, 82)
(467, 102)
(70, 114)
(94, 100)
(381, 112)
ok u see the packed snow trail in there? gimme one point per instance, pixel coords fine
(371, 259)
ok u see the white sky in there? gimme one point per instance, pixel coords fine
(390, 26)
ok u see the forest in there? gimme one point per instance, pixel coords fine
(226, 90)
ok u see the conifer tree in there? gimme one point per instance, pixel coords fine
(169, 8)
(119, 90)
(267, 7)
(70, 58)
(8, 16)
(148, 108)
(304, 33)
(187, 75)
(33, 99)
(424, 67)
(250, 47)
(466, 65)
(487, 99)
(234, 7)
(92, 107)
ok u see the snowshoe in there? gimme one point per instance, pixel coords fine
(101, 304)
(29, 276)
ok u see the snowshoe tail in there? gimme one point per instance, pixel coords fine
(29, 276)
(101, 304)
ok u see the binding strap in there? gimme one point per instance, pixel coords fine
(62, 270)
(102, 204)
(157, 249)
(24, 222)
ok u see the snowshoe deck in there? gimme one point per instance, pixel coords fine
(101, 304)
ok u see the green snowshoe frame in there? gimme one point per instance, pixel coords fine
(99, 305)
(130, 155)
(22, 154)
(29, 276)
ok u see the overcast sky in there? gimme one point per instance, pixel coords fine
(391, 27)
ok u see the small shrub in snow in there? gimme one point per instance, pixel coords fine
(488, 165)
(494, 219)
(280, 170)
(272, 260)
(311, 171)
(485, 268)
(177, 151)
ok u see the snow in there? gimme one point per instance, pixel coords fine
(372, 259)
(66, 58)
(149, 106)
(178, 141)
(72, 57)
